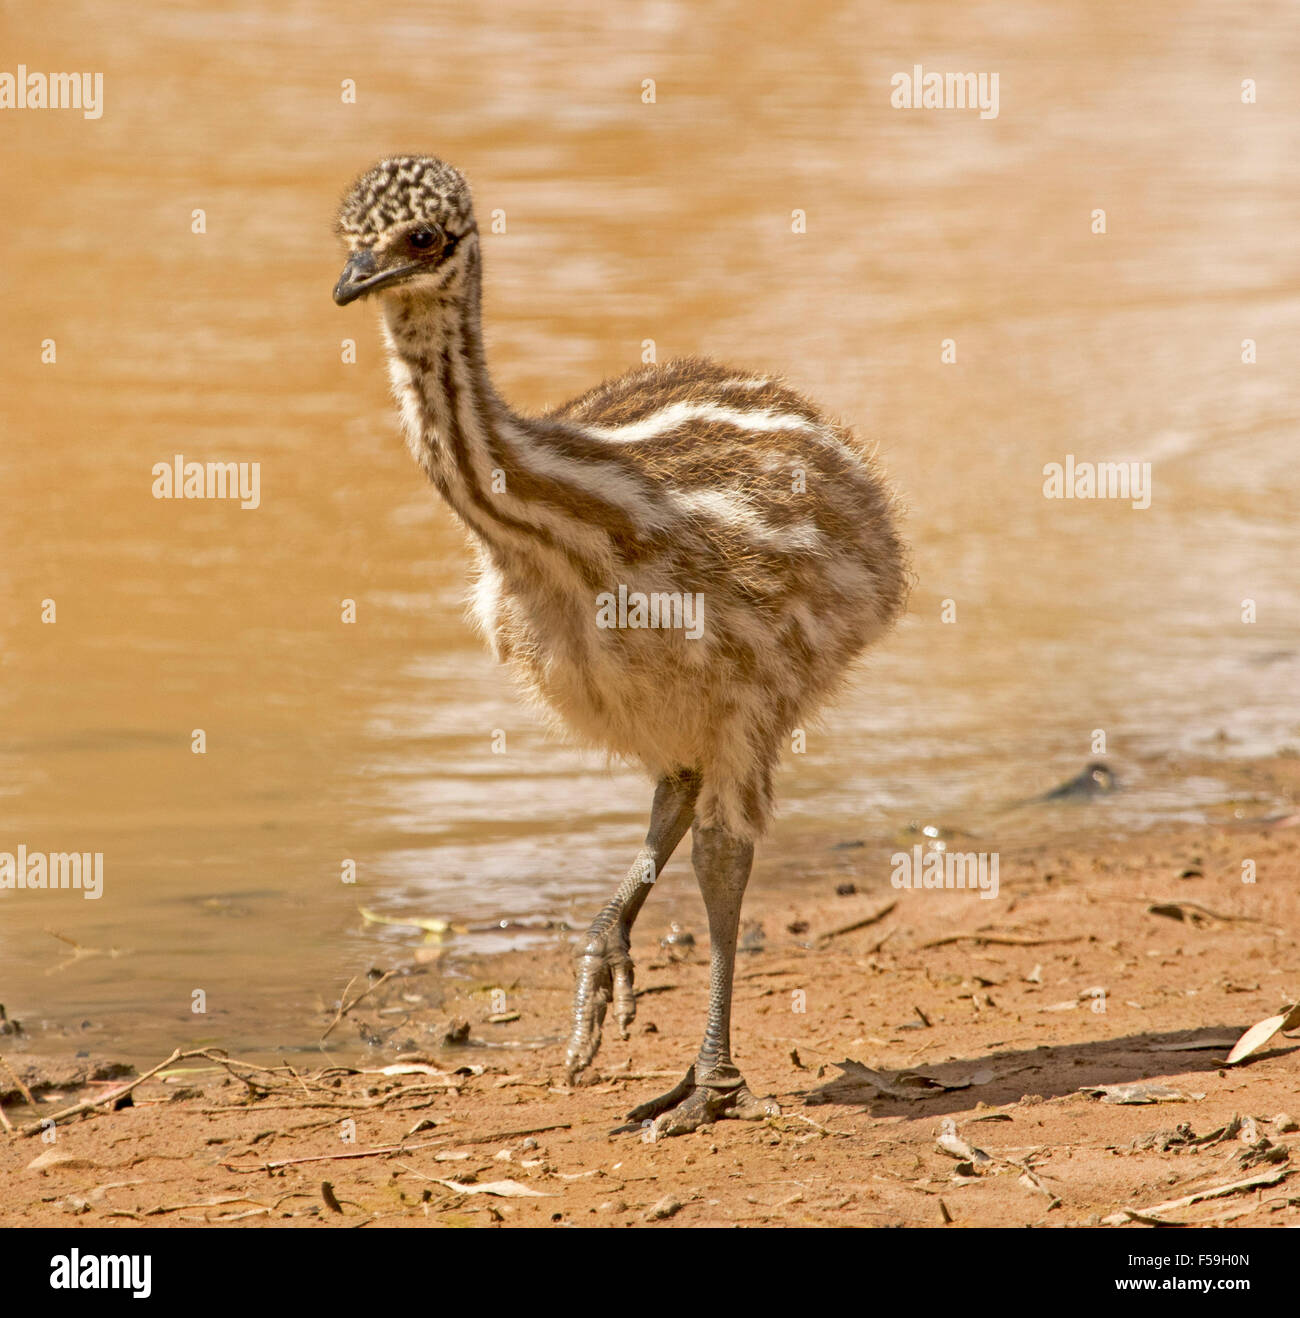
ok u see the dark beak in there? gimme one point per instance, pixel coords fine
(362, 275)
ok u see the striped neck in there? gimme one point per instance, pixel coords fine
(525, 487)
(452, 415)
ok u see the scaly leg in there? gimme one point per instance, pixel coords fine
(604, 965)
(713, 1087)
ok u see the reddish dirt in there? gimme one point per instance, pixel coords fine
(1016, 1024)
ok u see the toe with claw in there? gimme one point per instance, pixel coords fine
(722, 1094)
(605, 976)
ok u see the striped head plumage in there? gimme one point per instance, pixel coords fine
(403, 221)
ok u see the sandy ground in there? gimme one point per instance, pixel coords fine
(944, 1019)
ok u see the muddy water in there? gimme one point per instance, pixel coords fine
(625, 221)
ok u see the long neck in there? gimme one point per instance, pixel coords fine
(526, 488)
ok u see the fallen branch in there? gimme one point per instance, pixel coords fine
(874, 918)
(1216, 1192)
(90, 1104)
(382, 1151)
(1000, 940)
(511, 1134)
(121, 1091)
(221, 1202)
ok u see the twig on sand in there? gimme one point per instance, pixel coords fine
(121, 1091)
(771, 972)
(345, 1006)
(875, 916)
(1001, 940)
(297, 1077)
(1215, 1192)
(510, 1134)
(219, 1202)
(383, 1151)
(90, 1104)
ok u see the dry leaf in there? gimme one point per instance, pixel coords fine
(55, 1159)
(408, 922)
(909, 1084)
(408, 1068)
(877, 1079)
(1261, 1032)
(954, 1146)
(915, 1080)
(1228, 1132)
(1143, 1093)
(1031, 1182)
(1194, 913)
(506, 1189)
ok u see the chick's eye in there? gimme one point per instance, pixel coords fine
(422, 239)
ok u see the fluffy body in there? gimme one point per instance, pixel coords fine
(766, 511)
(689, 477)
